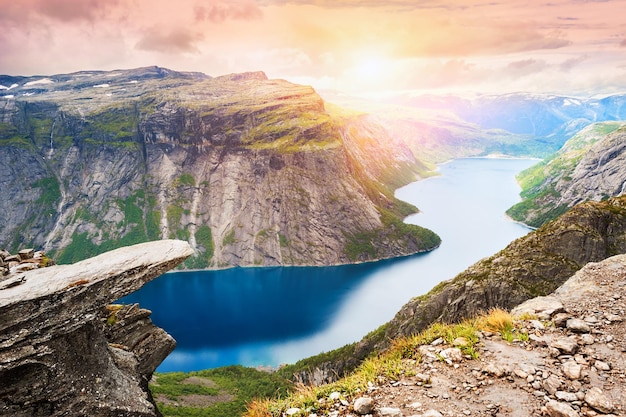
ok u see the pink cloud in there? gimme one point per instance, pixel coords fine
(220, 11)
(174, 41)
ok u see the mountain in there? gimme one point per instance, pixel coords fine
(590, 166)
(250, 171)
(439, 128)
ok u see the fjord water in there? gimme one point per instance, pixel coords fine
(269, 316)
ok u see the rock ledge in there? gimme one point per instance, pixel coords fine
(63, 352)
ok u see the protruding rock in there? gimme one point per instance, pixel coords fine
(578, 326)
(363, 406)
(543, 307)
(55, 357)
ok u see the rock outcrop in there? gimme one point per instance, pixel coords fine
(24, 260)
(64, 350)
(589, 167)
(249, 171)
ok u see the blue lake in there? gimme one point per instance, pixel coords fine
(269, 316)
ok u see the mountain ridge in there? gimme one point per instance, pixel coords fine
(232, 164)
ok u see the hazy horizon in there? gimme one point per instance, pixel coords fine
(358, 46)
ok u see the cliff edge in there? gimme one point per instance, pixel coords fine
(64, 350)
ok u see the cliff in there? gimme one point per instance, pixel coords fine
(249, 171)
(531, 266)
(64, 350)
(588, 167)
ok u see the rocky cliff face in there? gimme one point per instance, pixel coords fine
(531, 266)
(64, 350)
(249, 171)
(590, 166)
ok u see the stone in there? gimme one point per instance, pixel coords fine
(26, 254)
(552, 384)
(437, 341)
(588, 339)
(566, 396)
(559, 409)
(53, 336)
(578, 326)
(540, 306)
(452, 355)
(334, 396)
(460, 342)
(495, 370)
(363, 405)
(572, 370)
(560, 319)
(596, 399)
(602, 366)
(521, 374)
(537, 325)
(432, 413)
(537, 340)
(613, 317)
(567, 345)
(389, 412)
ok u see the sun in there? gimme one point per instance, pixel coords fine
(370, 69)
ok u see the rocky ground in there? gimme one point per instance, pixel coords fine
(570, 360)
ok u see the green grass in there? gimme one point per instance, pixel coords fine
(238, 385)
(229, 239)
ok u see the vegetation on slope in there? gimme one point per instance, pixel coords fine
(221, 392)
(542, 183)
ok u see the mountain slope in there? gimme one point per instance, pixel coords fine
(250, 171)
(590, 166)
(533, 265)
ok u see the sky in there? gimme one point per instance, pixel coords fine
(571, 47)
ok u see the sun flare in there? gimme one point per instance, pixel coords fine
(370, 69)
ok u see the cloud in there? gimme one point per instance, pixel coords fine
(220, 11)
(568, 64)
(72, 10)
(623, 43)
(525, 67)
(174, 41)
(29, 11)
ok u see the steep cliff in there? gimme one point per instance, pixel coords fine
(250, 171)
(590, 166)
(533, 265)
(64, 350)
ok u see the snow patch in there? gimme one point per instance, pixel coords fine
(9, 96)
(133, 82)
(38, 82)
(28, 94)
(3, 87)
(571, 102)
(102, 86)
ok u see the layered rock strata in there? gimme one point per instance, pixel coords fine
(64, 352)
